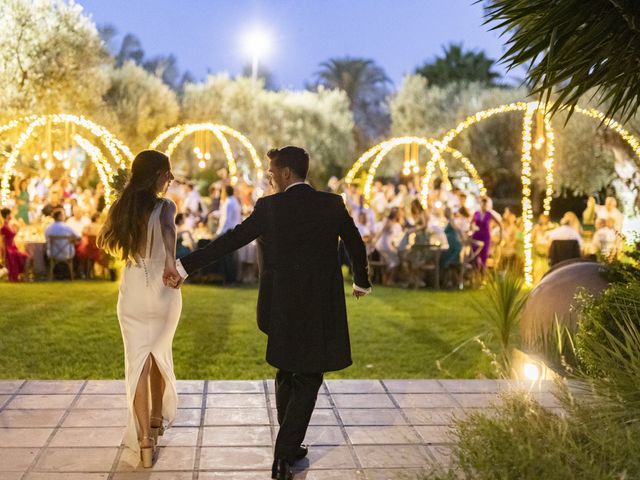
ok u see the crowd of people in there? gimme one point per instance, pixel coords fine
(452, 241)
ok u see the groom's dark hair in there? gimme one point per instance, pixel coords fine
(296, 158)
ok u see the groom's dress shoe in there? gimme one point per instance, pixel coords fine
(281, 470)
(302, 452)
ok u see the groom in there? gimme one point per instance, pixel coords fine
(301, 301)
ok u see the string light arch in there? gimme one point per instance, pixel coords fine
(176, 135)
(120, 155)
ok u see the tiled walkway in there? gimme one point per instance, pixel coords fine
(361, 429)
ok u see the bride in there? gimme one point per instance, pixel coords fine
(140, 229)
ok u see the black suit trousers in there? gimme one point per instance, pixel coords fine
(296, 395)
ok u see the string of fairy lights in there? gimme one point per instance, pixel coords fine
(108, 153)
(203, 134)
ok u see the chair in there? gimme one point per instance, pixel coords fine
(59, 247)
(561, 250)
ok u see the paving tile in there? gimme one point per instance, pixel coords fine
(322, 416)
(40, 401)
(435, 433)
(66, 476)
(236, 400)
(236, 416)
(169, 458)
(69, 387)
(10, 386)
(475, 386)
(395, 474)
(16, 459)
(330, 475)
(30, 418)
(372, 416)
(236, 458)
(4, 399)
(189, 401)
(188, 417)
(24, 437)
(271, 388)
(442, 454)
(327, 458)
(354, 386)
(321, 402)
(104, 387)
(432, 416)
(547, 400)
(423, 400)
(179, 437)
(388, 435)
(362, 401)
(190, 386)
(76, 460)
(414, 386)
(475, 399)
(147, 475)
(102, 401)
(390, 456)
(88, 437)
(324, 435)
(115, 417)
(237, 436)
(235, 475)
(11, 475)
(236, 386)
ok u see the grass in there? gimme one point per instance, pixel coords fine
(70, 331)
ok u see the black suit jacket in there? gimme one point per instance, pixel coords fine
(301, 299)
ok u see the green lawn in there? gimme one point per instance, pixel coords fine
(70, 331)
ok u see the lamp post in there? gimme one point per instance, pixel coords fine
(257, 44)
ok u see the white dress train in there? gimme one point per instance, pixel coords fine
(148, 313)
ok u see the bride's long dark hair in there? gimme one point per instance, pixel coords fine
(122, 232)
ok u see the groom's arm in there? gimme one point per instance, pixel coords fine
(226, 243)
(356, 249)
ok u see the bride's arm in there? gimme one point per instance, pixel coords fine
(168, 228)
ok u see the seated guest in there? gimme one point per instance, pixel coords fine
(610, 210)
(15, 260)
(454, 242)
(386, 243)
(184, 240)
(78, 221)
(568, 229)
(605, 239)
(365, 227)
(56, 249)
(87, 250)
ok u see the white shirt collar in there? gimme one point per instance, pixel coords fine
(293, 185)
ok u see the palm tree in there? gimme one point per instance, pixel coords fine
(575, 47)
(459, 66)
(367, 86)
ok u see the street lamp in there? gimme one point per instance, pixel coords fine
(257, 43)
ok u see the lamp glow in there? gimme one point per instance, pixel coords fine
(257, 44)
(531, 371)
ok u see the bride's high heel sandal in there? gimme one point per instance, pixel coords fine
(157, 431)
(147, 454)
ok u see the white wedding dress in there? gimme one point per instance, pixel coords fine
(148, 313)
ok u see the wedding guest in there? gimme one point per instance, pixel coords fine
(62, 251)
(567, 229)
(78, 221)
(482, 224)
(15, 260)
(610, 210)
(184, 240)
(454, 240)
(386, 243)
(589, 215)
(22, 201)
(87, 251)
(605, 239)
(193, 201)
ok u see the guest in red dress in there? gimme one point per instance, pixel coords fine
(87, 251)
(15, 260)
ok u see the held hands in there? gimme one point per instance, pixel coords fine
(358, 294)
(170, 277)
